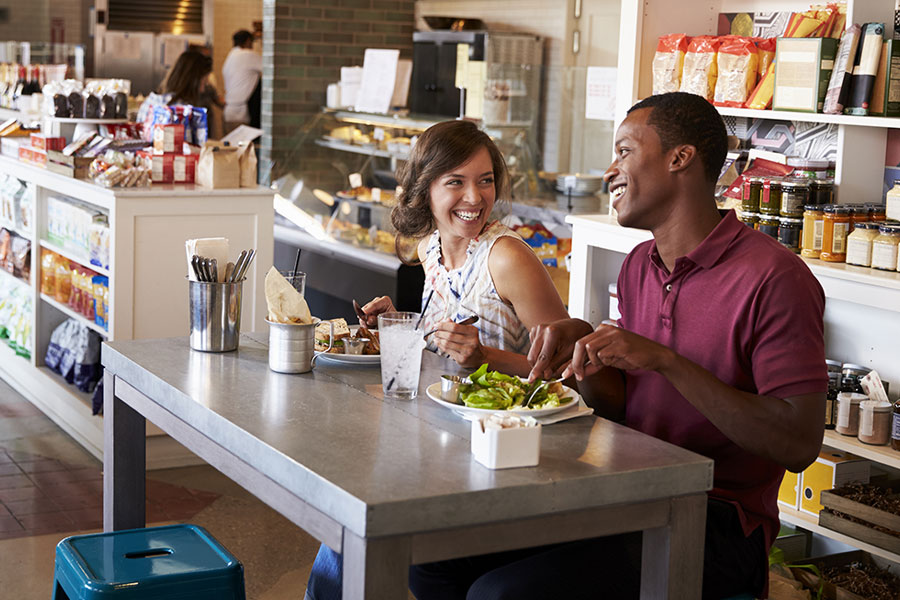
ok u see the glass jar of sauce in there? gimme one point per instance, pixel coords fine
(768, 224)
(859, 213)
(859, 244)
(848, 413)
(850, 377)
(813, 224)
(770, 199)
(789, 233)
(834, 233)
(821, 191)
(834, 388)
(884, 248)
(751, 193)
(750, 219)
(876, 212)
(794, 196)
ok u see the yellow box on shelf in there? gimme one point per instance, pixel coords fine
(832, 469)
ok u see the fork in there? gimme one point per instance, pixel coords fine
(539, 386)
(467, 321)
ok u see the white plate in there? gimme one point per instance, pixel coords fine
(434, 392)
(351, 359)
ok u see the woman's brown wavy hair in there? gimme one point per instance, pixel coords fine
(439, 150)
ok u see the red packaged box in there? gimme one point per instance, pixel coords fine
(172, 168)
(33, 156)
(40, 141)
(168, 139)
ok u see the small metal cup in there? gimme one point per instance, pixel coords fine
(450, 387)
(292, 346)
(354, 345)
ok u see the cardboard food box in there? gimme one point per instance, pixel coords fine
(832, 469)
(46, 142)
(802, 70)
(789, 492)
(70, 166)
(33, 156)
(172, 168)
(168, 139)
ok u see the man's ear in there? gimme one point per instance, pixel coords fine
(682, 157)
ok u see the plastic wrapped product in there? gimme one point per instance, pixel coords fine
(107, 107)
(76, 104)
(737, 69)
(766, 51)
(60, 106)
(91, 107)
(700, 71)
(668, 62)
(839, 85)
(121, 104)
(200, 125)
(761, 96)
(801, 26)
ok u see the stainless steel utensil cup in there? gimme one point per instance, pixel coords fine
(292, 346)
(215, 315)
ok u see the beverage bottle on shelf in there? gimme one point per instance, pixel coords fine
(20, 85)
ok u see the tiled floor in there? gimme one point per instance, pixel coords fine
(50, 488)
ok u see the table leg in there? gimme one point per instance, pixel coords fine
(124, 461)
(376, 568)
(672, 561)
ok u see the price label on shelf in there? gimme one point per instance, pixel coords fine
(355, 180)
(378, 134)
(376, 194)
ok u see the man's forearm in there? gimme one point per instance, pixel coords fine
(787, 431)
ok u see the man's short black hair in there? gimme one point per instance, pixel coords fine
(681, 118)
(241, 37)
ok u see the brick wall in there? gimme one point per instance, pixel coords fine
(305, 43)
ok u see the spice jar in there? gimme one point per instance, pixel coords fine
(768, 224)
(848, 412)
(750, 219)
(794, 196)
(895, 427)
(859, 244)
(750, 194)
(789, 233)
(834, 233)
(850, 377)
(821, 191)
(813, 224)
(834, 388)
(859, 213)
(875, 422)
(884, 248)
(876, 212)
(770, 200)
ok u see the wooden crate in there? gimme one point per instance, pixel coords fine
(861, 531)
(70, 166)
(830, 591)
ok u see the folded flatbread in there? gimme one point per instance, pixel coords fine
(286, 305)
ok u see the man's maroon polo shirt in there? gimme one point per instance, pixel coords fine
(749, 311)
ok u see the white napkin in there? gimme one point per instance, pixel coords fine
(578, 410)
(216, 248)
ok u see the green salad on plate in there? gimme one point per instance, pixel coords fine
(493, 390)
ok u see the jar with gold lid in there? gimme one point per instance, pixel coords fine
(834, 233)
(811, 237)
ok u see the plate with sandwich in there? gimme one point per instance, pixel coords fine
(352, 345)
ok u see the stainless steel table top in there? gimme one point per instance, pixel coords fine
(386, 467)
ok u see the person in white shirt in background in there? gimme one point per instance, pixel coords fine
(242, 73)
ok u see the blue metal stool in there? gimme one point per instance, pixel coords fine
(175, 562)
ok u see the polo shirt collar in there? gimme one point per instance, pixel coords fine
(711, 249)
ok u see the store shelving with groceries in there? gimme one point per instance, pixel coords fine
(831, 208)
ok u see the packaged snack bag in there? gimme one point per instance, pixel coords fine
(668, 62)
(765, 48)
(700, 71)
(48, 273)
(761, 96)
(63, 280)
(737, 69)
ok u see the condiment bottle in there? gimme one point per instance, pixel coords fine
(834, 388)
(821, 191)
(789, 233)
(848, 412)
(876, 212)
(770, 200)
(835, 231)
(813, 226)
(750, 194)
(750, 219)
(892, 201)
(859, 244)
(875, 422)
(884, 248)
(794, 196)
(768, 224)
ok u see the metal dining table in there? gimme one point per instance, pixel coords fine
(390, 483)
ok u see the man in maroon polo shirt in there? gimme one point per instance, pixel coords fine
(720, 348)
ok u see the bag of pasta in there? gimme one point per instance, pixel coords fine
(700, 71)
(737, 70)
(668, 62)
(765, 48)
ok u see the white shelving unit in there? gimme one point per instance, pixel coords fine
(148, 294)
(862, 314)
